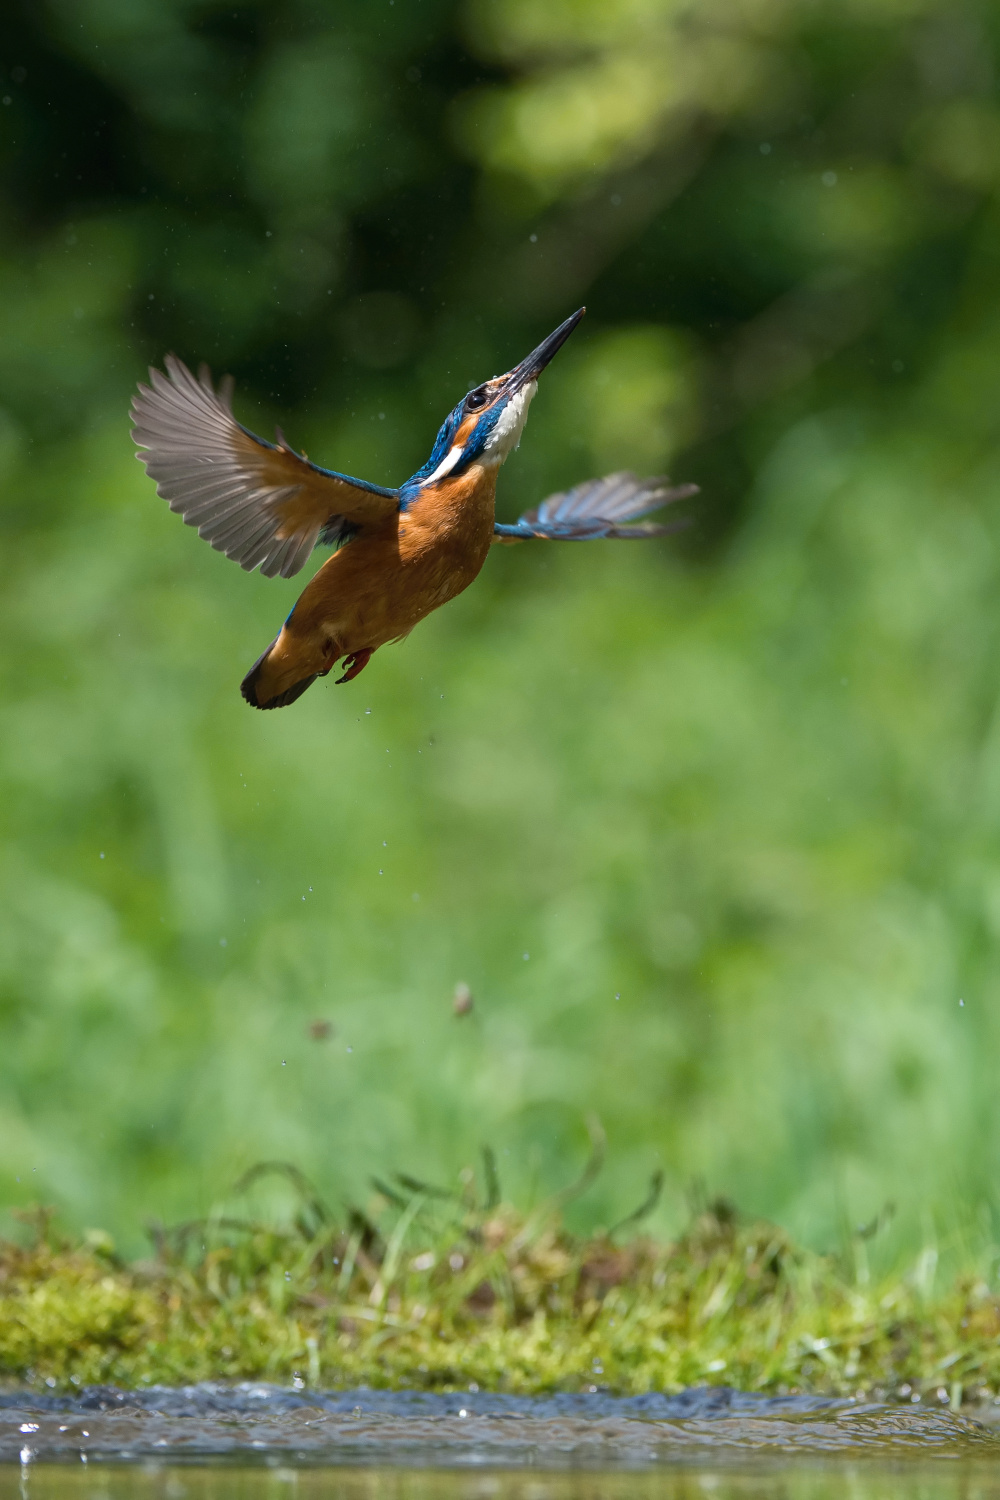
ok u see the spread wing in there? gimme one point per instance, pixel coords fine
(258, 502)
(597, 508)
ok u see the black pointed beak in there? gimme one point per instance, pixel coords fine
(531, 367)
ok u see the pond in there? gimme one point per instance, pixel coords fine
(260, 1442)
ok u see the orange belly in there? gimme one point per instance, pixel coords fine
(383, 583)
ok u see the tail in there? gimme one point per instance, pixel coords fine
(248, 687)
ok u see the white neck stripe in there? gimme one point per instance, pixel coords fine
(446, 465)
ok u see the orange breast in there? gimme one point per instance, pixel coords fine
(383, 583)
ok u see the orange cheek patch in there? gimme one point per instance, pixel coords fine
(465, 429)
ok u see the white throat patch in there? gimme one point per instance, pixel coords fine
(509, 425)
(502, 440)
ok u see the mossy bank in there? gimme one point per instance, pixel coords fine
(439, 1293)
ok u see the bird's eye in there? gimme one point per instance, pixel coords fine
(476, 399)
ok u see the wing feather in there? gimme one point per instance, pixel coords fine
(596, 509)
(259, 503)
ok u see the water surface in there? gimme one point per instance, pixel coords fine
(374, 1442)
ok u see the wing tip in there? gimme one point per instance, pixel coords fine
(598, 508)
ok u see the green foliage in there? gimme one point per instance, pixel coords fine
(736, 797)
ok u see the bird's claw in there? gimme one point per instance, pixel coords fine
(355, 663)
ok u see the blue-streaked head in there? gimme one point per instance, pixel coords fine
(486, 425)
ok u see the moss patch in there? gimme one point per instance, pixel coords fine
(439, 1294)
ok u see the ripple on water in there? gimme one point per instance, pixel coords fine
(272, 1425)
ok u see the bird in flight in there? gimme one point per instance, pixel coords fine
(400, 553)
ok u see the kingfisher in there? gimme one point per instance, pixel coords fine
(399, 553)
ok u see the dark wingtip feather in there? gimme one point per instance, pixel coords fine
(648, 529)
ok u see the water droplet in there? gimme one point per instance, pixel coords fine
(526, 956)
(102, 854)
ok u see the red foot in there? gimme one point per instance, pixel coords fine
(356, 662)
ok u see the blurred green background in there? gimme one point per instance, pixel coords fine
(711, 827)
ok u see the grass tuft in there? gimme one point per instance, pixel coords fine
(431, 1290)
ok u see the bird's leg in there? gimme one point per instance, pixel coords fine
(356, 662)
